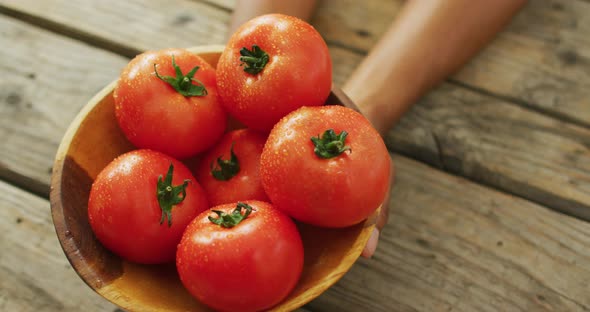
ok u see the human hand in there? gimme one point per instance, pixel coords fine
(381, 219)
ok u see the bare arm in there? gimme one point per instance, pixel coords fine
(427, 42)
(247, 9)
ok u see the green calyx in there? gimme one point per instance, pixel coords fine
(254, 59)
(226, 168)
(169, 195)
(229, 220)
(330, 144)
(183, 83)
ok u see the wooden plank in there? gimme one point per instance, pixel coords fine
(545, 254)
(481, 251)
(51, 78)
(128, 25)
(453, 128)
(36, 275)
(541, 61)
(506, 146)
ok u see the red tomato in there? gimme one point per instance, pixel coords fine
(141, 203)
(153, 114)
(250, 261)
(229, 171)
(272, 65)
(325, 178)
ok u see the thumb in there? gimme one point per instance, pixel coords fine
(371, 244)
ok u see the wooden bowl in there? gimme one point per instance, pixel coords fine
(92, 141)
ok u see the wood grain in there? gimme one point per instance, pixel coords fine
(36, 275)
(50, 78)
(129, 26)
(480, 251)
(520, 152)
(483, 251)
(441, 251)
(542, 61)
(445, 129)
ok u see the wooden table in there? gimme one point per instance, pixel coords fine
(492, 201)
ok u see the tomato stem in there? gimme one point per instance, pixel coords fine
(255, 59)
(169, 195)
(183, 83)
(227, 168)
(330, 144)
(229, 220)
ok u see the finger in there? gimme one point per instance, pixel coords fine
(371, 245)
(384, 212)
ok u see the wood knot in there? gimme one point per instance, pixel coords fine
(13, 99)
(423, 243)
(182, 20)
(362, 33)
(557, 6)
(568, 57)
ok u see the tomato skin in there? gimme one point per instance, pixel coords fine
(334, 192)
(245, 185)
(154, 115)
(124, 212)
(250, 267)
(299, 71)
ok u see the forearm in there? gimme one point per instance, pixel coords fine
(428, 41)
(247, 9)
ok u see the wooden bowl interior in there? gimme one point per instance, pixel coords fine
(92, 141)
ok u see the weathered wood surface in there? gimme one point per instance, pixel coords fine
(35, 274)
(507, 146)
(478, 251)
(47, 79)
(450, 244)
(540, 61)
(454, 127)
(483, 251)
(127, 26)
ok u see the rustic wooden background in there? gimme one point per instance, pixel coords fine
(490, 208)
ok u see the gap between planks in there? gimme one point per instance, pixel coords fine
(23, 182)
(518, 102)
(71, 32)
